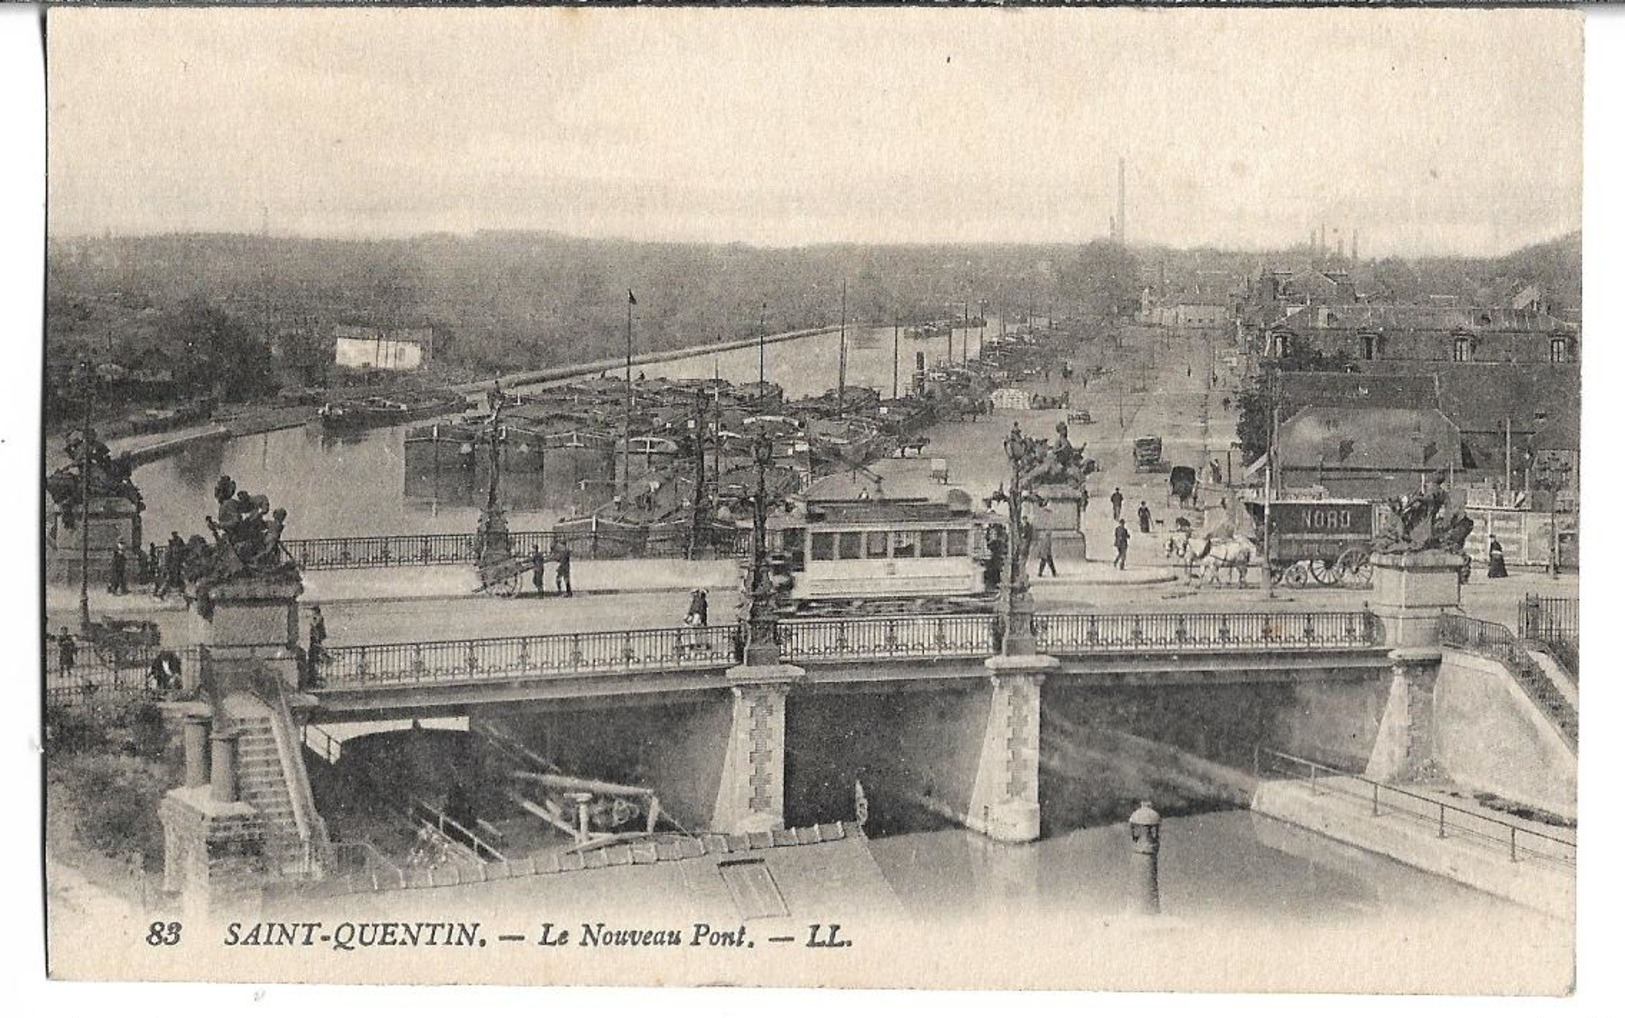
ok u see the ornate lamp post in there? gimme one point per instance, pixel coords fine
(761, 635)
(1015, 603)
(87, 379)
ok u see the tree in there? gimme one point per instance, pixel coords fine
(215, 352)
(1257, 402)
(1104, 280)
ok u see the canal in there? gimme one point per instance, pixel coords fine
(358, 485)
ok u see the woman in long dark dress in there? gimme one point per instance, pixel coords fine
(1498, 560)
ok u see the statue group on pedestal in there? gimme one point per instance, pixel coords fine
(92, 469)
(247, 543)
(1434, 518)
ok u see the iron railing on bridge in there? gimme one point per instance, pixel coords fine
(505, 656)
(903, 636)
(385, 551)
(1448, 821)
(1554, 623)
(1493, 640)
(1206, 631)
(94, 681)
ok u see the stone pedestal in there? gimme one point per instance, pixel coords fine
(1410, 590)
(1004, 802)
(213, 852)
(254, 613)
(109, 521)
(750, 795)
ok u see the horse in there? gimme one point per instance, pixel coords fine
(1235, 554)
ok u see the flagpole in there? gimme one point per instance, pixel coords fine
(840, 383)
(626, 437)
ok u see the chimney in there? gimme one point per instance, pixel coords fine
(1354, 254)
(1122, 201)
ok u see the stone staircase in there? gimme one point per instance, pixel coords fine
(263, 784)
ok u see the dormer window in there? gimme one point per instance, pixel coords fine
(1560, 349)
(1464, 349)
(1368, 347)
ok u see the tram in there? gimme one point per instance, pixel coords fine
(873, 543)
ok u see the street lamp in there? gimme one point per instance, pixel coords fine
(761, 634)
(1015, 602)
(87, 378)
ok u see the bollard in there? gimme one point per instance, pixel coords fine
(1145, 835)
(195, 737)
(583, 814)
(223, 765)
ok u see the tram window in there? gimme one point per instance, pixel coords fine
(823, 546)
(904, 543)
(930, 544)
(958, 544)
(851, 544)
(874, 544)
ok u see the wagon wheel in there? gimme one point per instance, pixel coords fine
(1354, 567)
(1297, 575)
(1323, 572)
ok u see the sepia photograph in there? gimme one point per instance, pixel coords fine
(1038, 498)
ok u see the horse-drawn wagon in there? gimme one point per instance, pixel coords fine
(1325, 541)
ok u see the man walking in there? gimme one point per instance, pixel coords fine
(318, 642)
(1144, 513)
(538, 560)
(1121, 540)
(66, 650)
(561, 572)
(1046, 553)
(121, 565)
(1117, 503)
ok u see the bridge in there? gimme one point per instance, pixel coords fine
(925, 708)
(397, 679)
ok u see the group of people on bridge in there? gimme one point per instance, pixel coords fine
(161, 569)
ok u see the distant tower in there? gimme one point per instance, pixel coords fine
(1122, 201)
(1339, 232)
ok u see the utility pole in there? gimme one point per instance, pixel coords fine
(761, 348)
(626, 437)
(981, 330)
(840, 382)
(964, 348)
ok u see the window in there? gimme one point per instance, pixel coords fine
(875, 544)
(1560, 350)
(1464, 348)
(958, 544)
(1368, 347)
(931, 544)
(850, 544)
(904, 544)
(823, 546)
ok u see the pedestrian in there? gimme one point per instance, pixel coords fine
(317, 652)
(1046, 552)
(155, 567)
(1117, 503)
(698, 611)
(1498, 560)
(66, 650)
(120, 567)
(1144, 513)
(561, 571)
(538, 562)
(1120, 539)
(174, 557)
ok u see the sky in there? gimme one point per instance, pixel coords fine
(1429, 132)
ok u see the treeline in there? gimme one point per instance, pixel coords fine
(504, 300)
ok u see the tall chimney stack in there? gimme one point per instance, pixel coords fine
(1354, 253)
(1122, 201)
